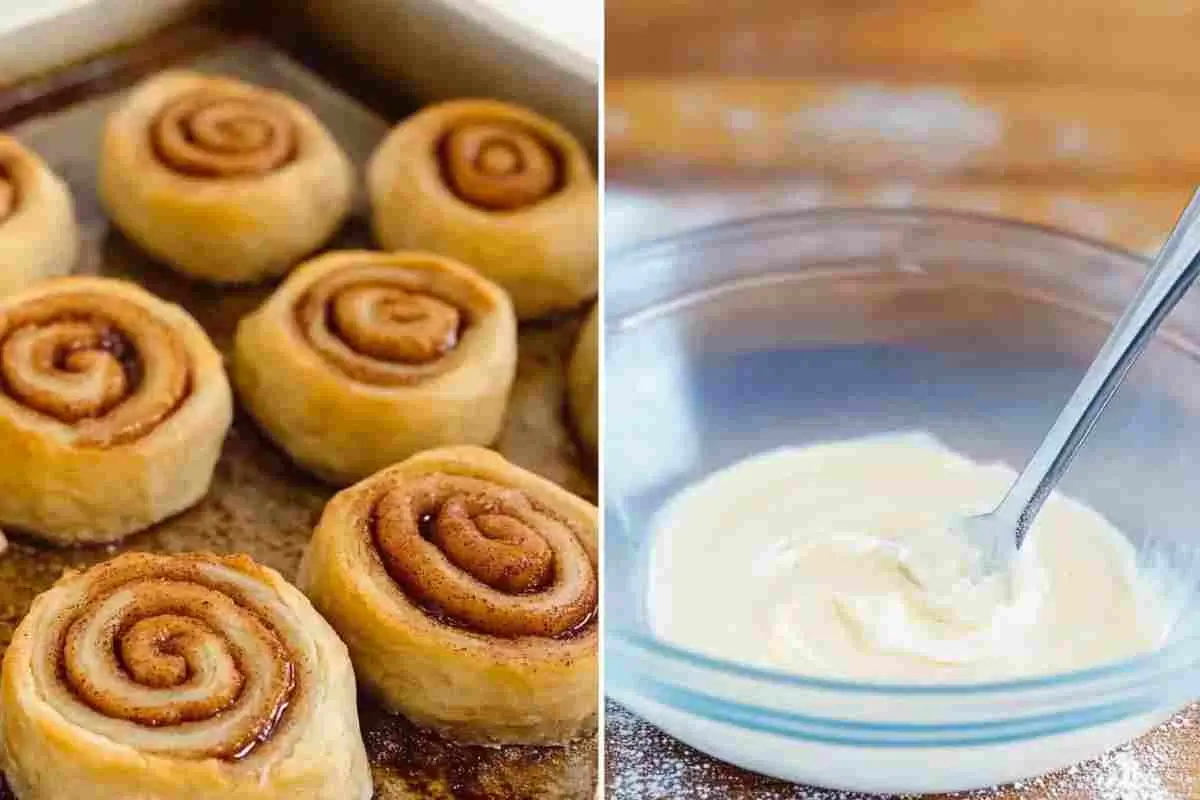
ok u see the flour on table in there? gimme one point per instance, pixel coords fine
(643, 763)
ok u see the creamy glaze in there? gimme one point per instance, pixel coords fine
(804, 560)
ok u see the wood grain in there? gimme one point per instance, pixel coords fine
(1075, 114)
(1124, 42)
(1042, 133)
(643, 763)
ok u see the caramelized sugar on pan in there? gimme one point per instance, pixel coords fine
(259, 503)
(411, 764)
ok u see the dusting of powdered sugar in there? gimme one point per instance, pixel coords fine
(616, 122)
(741, 120)
(939, 126)
(643, 763)
(1071, 139)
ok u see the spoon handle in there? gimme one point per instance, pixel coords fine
(1171, 275)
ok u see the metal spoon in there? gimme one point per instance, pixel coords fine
(999, 534)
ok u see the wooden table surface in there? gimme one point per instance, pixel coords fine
(1081, 115)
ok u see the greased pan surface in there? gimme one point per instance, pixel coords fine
(259, 503)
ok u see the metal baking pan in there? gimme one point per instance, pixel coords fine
(259, 503)
(447, 48)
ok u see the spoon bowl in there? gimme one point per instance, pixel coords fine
(998, 534)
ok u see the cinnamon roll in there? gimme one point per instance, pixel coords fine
(582, 390)
(113, 408)
(466, 590)
(223, 181)
(189, 676)
(498, 187)
(39, 237)
(362, 359)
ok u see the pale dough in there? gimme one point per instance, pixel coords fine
(128, 433)
(361, 359)
(542, 247)
(189, 677)
(424, 569)
(39, 237)
(227, 203)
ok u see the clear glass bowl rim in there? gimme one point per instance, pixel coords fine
(1178, 660)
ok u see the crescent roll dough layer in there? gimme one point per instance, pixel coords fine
(194, 677)
(221, 180)
(583, 397)
(498, 187)
(113, 408)
(39, 237)
(466, 591)
(362, 359)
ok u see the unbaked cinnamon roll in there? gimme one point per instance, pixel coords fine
(498, 187)
(222, 180)
(113, 408)
(466, 590)
(39, 237)
(190, 677)
(362, 359)
(582, 389)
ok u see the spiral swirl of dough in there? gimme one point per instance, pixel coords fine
(215, 135)
(388, 325)
(499, 166)
(496, 186)
(466, 589)
(484, 556)
(179, 677)
(39, 235)
(177, 656)
(99, 363)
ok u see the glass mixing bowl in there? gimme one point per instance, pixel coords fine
(816, 326)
